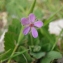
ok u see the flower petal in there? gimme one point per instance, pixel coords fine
(32, 17)
(25, 21)
(34, 32)
(38, 24)
(26, 30)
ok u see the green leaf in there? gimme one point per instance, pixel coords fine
(11, 37)
(9, 41)
(51, 56)
(38, 55)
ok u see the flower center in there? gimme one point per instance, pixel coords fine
(31, 25)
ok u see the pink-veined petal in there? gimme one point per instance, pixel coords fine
(26, 30)
(38, 24)
(25, 21)
(32, 17)
(34, 32)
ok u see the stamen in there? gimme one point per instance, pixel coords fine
(31, 25)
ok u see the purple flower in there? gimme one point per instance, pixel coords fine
(30, 25)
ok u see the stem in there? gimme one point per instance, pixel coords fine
(32, 7)
(31, 40)
(55, 43)
(57, 40)
(19, 53)
(13, 53)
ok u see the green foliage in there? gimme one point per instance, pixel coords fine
(4, 55)
(51, 56)
(28, 48)
(25, 57)
(11, 36)
(38, 55)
